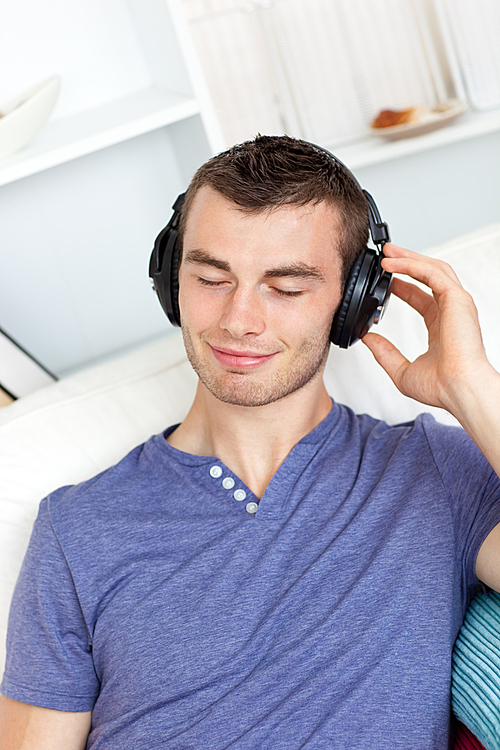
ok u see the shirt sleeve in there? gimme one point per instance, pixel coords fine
(49, 646)
(473, 489)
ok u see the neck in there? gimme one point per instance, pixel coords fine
(252, 441)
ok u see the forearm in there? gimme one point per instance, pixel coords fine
(25, 727)
(475, 403)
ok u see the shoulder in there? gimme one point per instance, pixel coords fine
(448, 443)
(423, 436)
(368, 428)
(424, 447)
(111, 491)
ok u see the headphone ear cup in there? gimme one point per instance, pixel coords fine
(164, 265)
(166, 279)
(366, 296)
(339, 332)
(173, 280)
(164, 272)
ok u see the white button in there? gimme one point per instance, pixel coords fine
(239, 495)
(216, 472)
(228, 483)
(252, 507)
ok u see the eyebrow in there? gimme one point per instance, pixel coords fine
(298, 270)
(201, 257)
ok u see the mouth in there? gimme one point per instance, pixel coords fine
(241, 360)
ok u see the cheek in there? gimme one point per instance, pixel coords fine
(307, 322)
(317, 311)
(199, 311)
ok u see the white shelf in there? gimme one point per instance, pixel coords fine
(374, 150)
(116, 121)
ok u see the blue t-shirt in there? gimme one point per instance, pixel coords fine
(153, 595)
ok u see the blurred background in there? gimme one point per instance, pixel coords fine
(152, 88)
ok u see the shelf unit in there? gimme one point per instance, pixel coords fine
(133, 122)
(157, 106)
(175, 93)
(97, 128)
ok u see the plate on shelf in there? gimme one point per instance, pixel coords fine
(427, 120)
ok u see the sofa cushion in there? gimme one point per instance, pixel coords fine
(75, 428)
(475, 686)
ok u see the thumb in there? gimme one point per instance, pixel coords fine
(387, 355)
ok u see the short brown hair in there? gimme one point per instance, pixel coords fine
(272, 171)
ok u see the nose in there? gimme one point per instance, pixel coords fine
(243, 314)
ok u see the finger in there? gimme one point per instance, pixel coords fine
(387, 355)
(421, 301)
(438, 276)
(394, 251)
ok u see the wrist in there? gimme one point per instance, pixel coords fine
(474, 400)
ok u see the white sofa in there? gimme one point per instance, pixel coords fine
(71, 430)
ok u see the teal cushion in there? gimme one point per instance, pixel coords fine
(475, 684)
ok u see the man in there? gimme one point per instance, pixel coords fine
(275, 572)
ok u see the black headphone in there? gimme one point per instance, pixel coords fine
(366, 292)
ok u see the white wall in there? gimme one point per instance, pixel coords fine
(433, 196)
(74, 249)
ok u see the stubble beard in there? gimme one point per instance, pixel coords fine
(245, 389)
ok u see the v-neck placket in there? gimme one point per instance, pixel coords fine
(232, 484)
(273, 503)
(214, 475)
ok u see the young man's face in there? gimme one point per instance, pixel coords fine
(257, 296)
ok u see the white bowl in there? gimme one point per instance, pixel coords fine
(25, 115)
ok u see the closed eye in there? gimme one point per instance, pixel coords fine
(276, 290)
(285, 293)
(209, 282)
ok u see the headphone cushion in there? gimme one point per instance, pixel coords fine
(174, 282)
(340, 316)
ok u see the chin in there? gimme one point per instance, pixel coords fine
(253, 388)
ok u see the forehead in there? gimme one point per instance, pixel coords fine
(294, 233)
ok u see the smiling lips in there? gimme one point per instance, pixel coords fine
(240, 360)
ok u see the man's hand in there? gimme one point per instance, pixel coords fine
(454, 373)
(455, 357)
